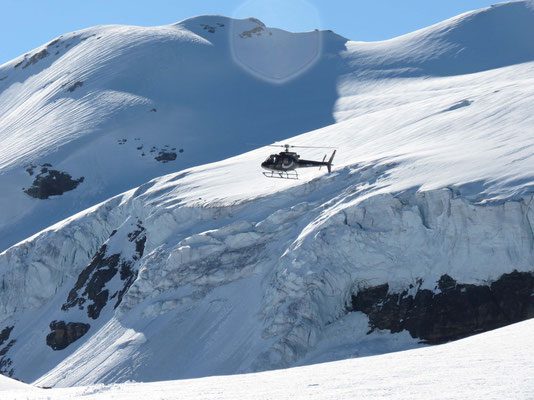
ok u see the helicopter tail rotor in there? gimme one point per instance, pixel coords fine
(329, 165)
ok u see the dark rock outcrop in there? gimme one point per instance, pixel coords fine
(4, 334)
(36, 57)
(74, 86)
(5, 362)
(127, 274)
(63, 334)
(453, 311)
(93, 278)
(102, 269)
(209, 28)
(53, 42)
(51, 182)
(165, 156)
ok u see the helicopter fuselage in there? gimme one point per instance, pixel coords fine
(288, 161)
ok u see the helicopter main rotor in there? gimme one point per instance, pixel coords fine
(287, 146)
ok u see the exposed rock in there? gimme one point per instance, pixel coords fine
(4, 334)
(51, 182)
(256, 21)
(74, 86)
(128, 276)
(122, 141)
(36, 57)
(255, 31)
(453, 311)
(63, 334)
(30, 169)
(6, 365)
(209, 28)
(46, 85)
(5, 362)
(94, 277)
(101, 270)
(165, 156)
(7, 347)
(5, 77)
(87, 37)
(139, 238)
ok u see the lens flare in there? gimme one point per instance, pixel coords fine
(273, 54)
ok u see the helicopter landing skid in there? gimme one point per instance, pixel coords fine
(282, 174)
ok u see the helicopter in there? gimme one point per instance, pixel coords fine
(284, 164)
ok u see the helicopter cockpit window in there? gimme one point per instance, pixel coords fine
(271, 159)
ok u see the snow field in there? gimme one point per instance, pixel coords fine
(492, 365)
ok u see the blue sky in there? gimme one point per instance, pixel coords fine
(26, 24)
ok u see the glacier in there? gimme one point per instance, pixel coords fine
(216, 270)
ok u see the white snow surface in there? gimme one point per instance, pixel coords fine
(492, 365)
(86, 102)
(433, 175)
(8, 384)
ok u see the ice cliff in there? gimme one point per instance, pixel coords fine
(421, 234)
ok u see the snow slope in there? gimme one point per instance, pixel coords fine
(218, 270)
(492, 365)
(8, 384)
(103, 103)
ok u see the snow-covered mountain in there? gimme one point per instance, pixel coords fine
(97, 112)
(422, 233)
